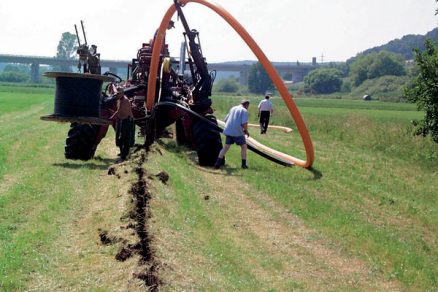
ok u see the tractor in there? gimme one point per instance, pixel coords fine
(161, 92)
(181, 98)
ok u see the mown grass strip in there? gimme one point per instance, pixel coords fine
(203, 229)
(329, 204)
(36, 190)
(375, 191)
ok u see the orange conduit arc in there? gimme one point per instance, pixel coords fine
(269, 68)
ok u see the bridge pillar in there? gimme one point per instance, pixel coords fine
(35, 73)
(243, 77)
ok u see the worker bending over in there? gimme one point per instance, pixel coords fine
(236, 126)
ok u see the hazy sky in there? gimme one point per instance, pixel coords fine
(287, 30)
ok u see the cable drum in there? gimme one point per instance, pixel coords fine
(77, 95)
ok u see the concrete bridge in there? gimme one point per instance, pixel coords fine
(294, 70)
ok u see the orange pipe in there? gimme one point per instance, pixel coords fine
(269, 68)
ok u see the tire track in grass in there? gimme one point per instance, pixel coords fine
(28, 205)
(274, 249)
(304, 255)
(189, 238)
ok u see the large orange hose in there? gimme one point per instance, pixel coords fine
(269, 68)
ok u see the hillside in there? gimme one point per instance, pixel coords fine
(405, 45)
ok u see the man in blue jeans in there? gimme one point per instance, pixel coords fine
(236, 127)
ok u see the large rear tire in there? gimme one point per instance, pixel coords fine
(207, 140)
(82, 141)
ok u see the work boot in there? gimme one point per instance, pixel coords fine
(244, 166)
(219, 163)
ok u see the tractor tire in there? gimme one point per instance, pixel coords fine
(207, 141)
(81, 142)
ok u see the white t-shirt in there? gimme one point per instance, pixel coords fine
(265, 105)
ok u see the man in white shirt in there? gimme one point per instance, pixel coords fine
(236, 127)
(265, 112)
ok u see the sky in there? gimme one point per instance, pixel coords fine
(286, 30)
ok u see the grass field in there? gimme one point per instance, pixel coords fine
(377, 188)
(365, 218)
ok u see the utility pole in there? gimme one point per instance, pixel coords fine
(322, 58)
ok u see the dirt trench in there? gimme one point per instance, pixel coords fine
(141, 198)
(137, 219)
(126, 247)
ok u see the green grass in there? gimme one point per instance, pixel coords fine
(37, 188)
(205, 230)
(13, 99)
(375, 185)
(372, 191)
(380, 126)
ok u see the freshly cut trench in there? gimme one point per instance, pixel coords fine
(141, 198)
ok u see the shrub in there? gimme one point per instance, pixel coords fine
(258, 80)
(376, 65)
(229, 85)
(424, 90)
(324, 80)
(346, 85)
(20, 77)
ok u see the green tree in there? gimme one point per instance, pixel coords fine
(229, 85)
(341, 66)
(375, 65)
(14, 76)
(346, 85)
(323, 80)
(17, 68)
(15, 73)
(359, 69)
(424, 90)
(66, 50)
(386, 64)
(258, 80)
